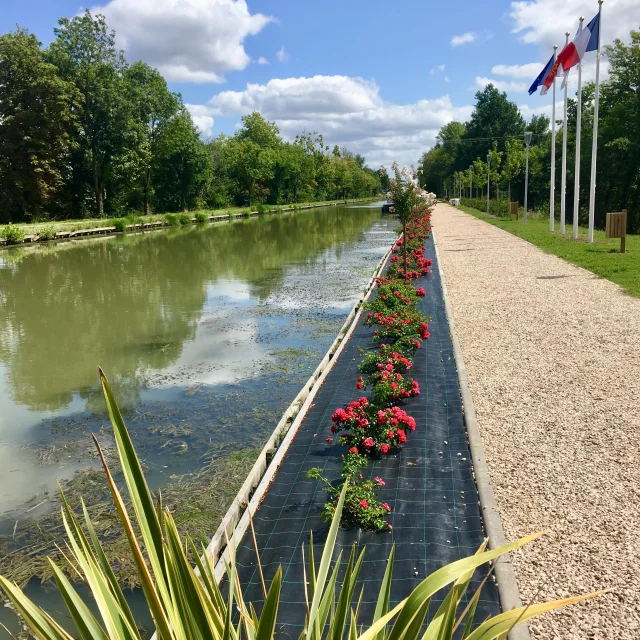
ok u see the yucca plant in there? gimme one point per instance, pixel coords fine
(186, 603)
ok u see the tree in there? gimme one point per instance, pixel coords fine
(494, 118)
(84, 50)
(514, 158)
(182, 169)
(153, 106)
(38, 119)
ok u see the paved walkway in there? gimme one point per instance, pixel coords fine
(553, 357)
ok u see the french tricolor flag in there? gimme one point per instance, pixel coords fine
(585, 40)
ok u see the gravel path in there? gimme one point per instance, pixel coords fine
(553, 358)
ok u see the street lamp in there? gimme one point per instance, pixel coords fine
(527, 141)
(488, 179)
(470, 181)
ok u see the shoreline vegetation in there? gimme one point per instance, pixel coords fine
(603, 257)
(28, 233)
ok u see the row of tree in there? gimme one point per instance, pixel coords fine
(83, 133)
(497, 127)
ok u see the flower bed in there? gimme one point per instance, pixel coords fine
(377, 426)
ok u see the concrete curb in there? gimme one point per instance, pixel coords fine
(504, 570)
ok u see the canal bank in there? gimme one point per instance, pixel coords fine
(207, 333)
(38, 233)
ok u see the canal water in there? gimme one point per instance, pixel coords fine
(207, 334)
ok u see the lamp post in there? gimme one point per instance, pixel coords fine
(527, 141)
(488, 179)
(470, 181)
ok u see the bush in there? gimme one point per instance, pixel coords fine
(12, 234)
(498, 208)
(132, 218)
(47, 233)
(261, 209)
(201, 217)
(184, 219)
(119, 223)
(246, 213)
(171, 219)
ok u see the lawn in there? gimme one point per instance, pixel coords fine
(602, 257)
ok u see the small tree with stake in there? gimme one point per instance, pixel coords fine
(407, 196)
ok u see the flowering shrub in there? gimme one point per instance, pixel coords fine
(405, 324)
(368, 430)
(390, 387)
(375, 426)
(361, 508)
(383, 357)
(392, 295)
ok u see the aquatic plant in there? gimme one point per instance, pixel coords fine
(184, 219)
(186, 604)
(171, 219)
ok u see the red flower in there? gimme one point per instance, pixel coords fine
(359, 385)
(384, 448)
(386, 506)
(333, 429)
(379, 481)
(329, 440)
(364, 504)
(402, 436)
(353, 450)
(421, 292)
(368, 442)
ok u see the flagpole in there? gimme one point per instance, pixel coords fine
(594, 147)
(552, 195)
(576, 184)
(563, 186)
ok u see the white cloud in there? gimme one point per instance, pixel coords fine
(347, 111)
(446, 79)
(544, 22)
(187, 40)
(262, 60)
(530, 70)
(202, 118)
(463, 38)
(441, 67)
(502, 85)
(282, 55)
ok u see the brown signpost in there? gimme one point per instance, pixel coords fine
(617, 227)
(513, 209)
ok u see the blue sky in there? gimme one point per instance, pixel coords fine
(378, 77)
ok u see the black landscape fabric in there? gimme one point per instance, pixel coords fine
(429, 484)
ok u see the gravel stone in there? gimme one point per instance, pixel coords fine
(554, 371)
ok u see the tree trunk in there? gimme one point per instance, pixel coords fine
(509, 196)
(147, 182)
(97, 188)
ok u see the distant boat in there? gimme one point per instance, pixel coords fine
(387, 207)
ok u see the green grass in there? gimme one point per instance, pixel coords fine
(603, 257)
